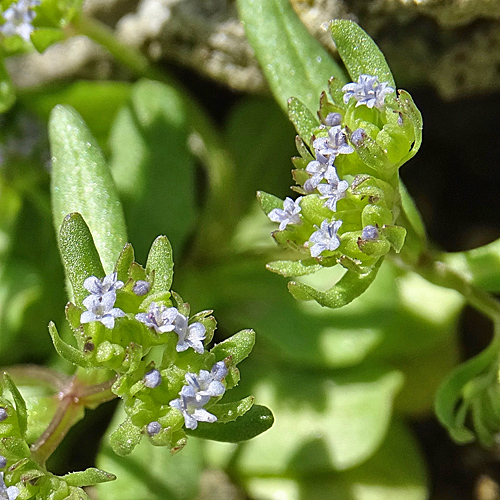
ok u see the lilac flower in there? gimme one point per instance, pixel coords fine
(19, 18)
(160, 319)
(101, 309)
(368, 91)
(197, 393)
(152, 379)
(189, 335)
(325, 238)
(334, 190)
(370, 233)
(338, 142)
(141, 288)
(3, 462)
(98, 287)
(289, 214)
(7, 493)
(3, 414)
(319, 169)
(333, 119)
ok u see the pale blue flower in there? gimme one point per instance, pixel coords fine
(153, 428)
(370, 233)
(189, 335)
(101, 309)
(159, 318)
(333, 119)
(288, 215)
(368, 91)
(338, 141)
(197, 393)
(334, 190)
(19, 18)
(100, 287)
(141, 287)
(7, 493)
(319, 170)
(3, 462)
(325, 238)
(3, 414)
(152, 379)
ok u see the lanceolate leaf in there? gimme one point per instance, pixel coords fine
(81, 182)
(22, 412)
(160, 261)
(359, 52)
(88, 477)
(67, 351)
(293, 61)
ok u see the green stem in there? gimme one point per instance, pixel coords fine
(213, 230)
(73, 399)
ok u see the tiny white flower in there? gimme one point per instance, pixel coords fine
(159, 318)
(334, 190)
(101, 309)
(7, 493)
(325, 238)
(288, 215)
(189, 335)
(367, 91)
(99, 287)
(19, 18)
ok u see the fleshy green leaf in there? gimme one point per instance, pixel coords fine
(67, 351)
(22, 412)
(305, 122)
(268, 201)
(81, 182)
(79, 254)
(125, 438)
(293, 61)
(254, 422)
(43, 38)
(88, 477)
(289, 268)
(228, 412)
(124, 261)
(350, 286)
(160, 261)
(238, 347)
(359, 52)
(152, 166)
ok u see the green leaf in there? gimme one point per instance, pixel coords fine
(293, 61)
(22, 412)
(268, 202)
(150, 472)
(67, 351)
(238, 347)
(254, 422)
(79, 254)
(452, 393)
(161, 262)
(81, 182)
(125, 438)
(43, 38)
(289, 268)
(359, 52)
(350, 286)
(153, 167)
(124, 262)
(305, 122)
(408, 106)
(7, 90)
(228, 412)
(88, 477)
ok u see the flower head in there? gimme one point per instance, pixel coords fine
(289, 214)
(189, 335)
(101, 309)
(368, 91)
(334, 190)
(19, 18)
(208, 383)
(325, 238)
(159, 318)
(318, 169)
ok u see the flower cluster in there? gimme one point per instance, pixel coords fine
(19, 19)
(128, 313)
(347, 177)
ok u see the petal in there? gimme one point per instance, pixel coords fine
(317, 249)
(108, 321)
(219, 370)
(197, 346)
(202, 415)
(196, 331)
(93, 285)
(88, 317)
(216, 389)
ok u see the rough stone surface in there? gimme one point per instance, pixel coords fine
(453, 45)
